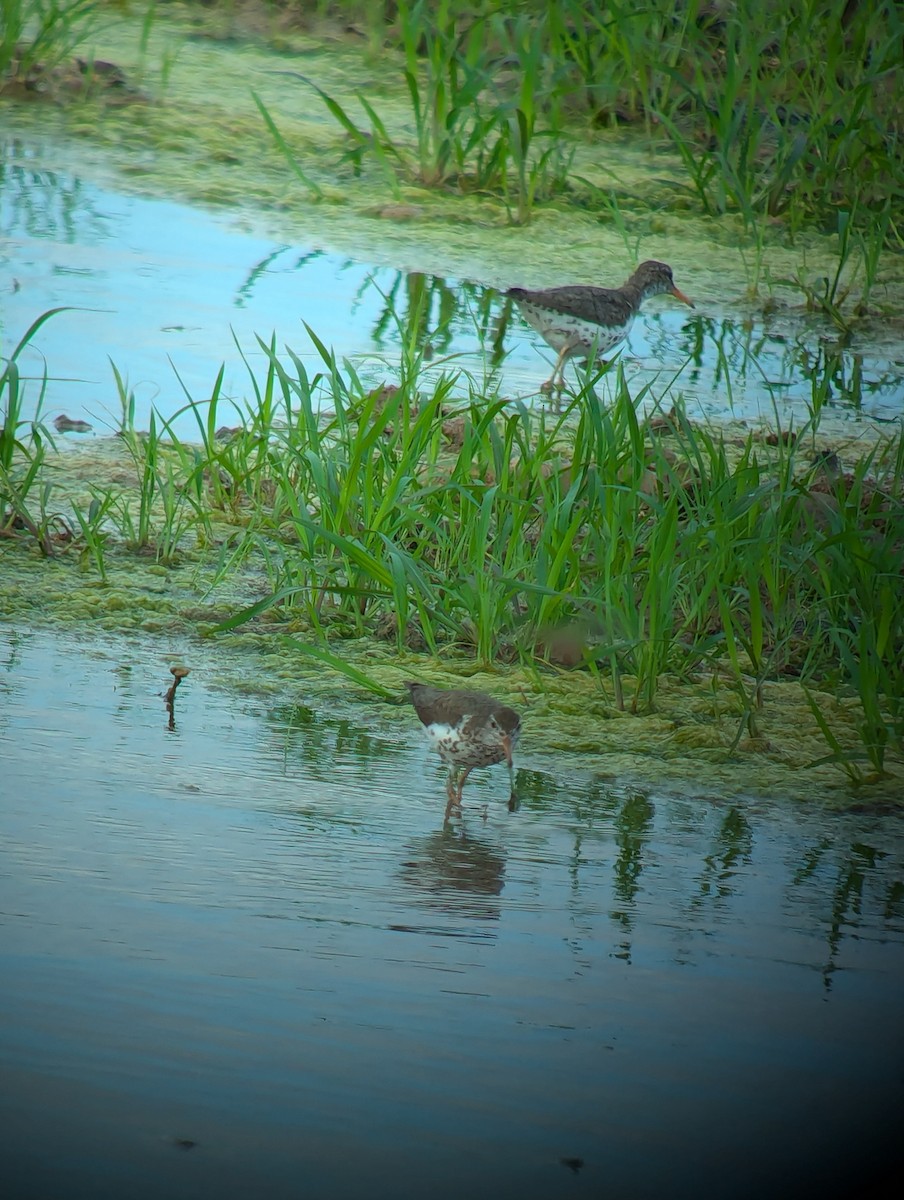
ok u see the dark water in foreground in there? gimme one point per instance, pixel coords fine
(244, 958)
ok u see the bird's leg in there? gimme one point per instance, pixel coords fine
(451, 781)
(450, 809)
(461, 782)
(570, 348)
(549, 386)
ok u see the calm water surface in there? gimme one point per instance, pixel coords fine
(244, 957)
(161, 288)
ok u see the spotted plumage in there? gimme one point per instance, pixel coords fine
(577, 320)
(467, 729)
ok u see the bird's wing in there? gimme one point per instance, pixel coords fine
(604, 306)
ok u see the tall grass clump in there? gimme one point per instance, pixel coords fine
(442, 69)
(469, 128)
(778, 113)
(857, 572)
(39, 34)
(789, 115)
(24, 491)
(674, 552)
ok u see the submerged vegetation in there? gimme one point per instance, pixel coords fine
(627, 544)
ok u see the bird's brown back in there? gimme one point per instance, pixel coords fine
(602, 306)
(449, 706)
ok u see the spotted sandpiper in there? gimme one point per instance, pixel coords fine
(589, 321)
(468, 730)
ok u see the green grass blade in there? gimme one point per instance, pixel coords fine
(319, 654)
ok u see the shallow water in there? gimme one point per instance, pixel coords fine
(169, 293)
(243, 956)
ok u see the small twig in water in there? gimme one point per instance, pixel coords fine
(178, 674)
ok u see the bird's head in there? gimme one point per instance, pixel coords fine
(654, 278)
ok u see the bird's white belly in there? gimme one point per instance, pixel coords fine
(564, 331)
(438, 734)
(476, 748)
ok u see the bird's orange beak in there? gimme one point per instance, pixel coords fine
(684, 299)
(507, 747)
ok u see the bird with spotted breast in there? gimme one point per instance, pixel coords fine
(467, 729)
(579, 320)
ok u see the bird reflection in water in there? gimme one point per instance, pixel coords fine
(454, 873)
